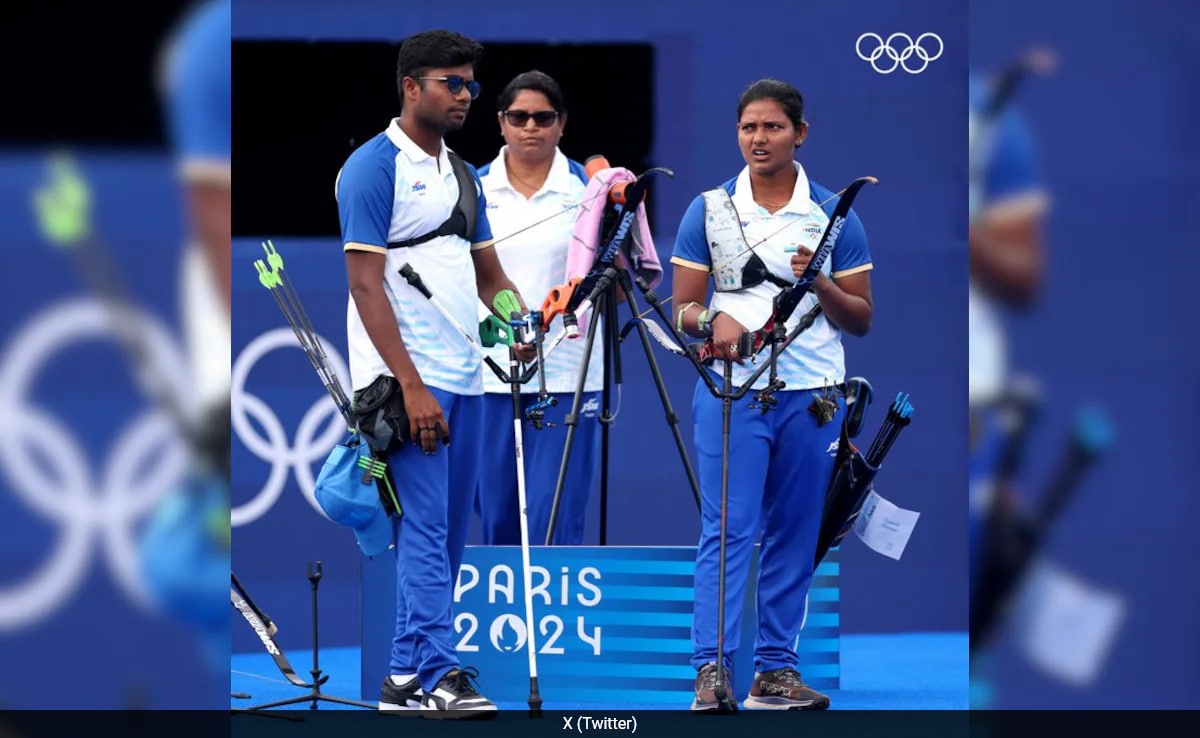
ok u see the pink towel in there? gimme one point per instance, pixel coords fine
(586, 239)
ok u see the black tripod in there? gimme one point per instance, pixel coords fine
(266, 630)
(603, 298)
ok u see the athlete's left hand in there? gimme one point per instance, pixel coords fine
(526, 352)
(800, 261)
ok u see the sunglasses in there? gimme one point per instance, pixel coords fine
(455, 84)
(542, 118)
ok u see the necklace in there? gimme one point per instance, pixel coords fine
(516, 176)
(774, 205)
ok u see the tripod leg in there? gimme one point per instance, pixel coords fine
(612, 376)
(572, 418)
(721, 690)
(535, 697)
(312, 698)
(261, 713)
(672, 418)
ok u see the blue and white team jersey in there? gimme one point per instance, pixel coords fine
(816, 358)
(389, 190)
(195, 88)
(1004, 183)
(535, 259)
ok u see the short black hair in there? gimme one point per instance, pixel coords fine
(788, 97)
(435, 49)
(537, 81)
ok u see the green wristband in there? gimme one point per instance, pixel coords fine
(505, 304)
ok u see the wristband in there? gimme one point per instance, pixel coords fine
(679, 315)
(505, 303)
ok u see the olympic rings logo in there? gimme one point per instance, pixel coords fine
(49, 471)
(321, 428)
(899, 57)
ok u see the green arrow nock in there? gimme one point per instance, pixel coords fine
(63, 203)
(266, 277)
(273, 257)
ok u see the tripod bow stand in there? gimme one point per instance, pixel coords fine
(599, 288)
(266, 630)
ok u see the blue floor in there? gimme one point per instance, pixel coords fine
(911, 671)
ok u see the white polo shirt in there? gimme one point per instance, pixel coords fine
(536, 261)
(816, 357)
(390, 190)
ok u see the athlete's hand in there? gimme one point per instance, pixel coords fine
(727, 332)
(800, 261)
(526, 352)
(426, 423)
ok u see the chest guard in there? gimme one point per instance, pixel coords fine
(735, 265)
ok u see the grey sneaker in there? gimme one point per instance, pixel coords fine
(783, 689)
(706, 685)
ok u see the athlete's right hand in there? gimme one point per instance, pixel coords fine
(726, 334)
(426, 423)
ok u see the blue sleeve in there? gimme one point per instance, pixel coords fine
(365, 190)
(851, 250)
(1012, 169)
(690, 243)
(578, 170)
(198, 88)
(483, 227)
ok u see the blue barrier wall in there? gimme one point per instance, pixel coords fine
(907, 130)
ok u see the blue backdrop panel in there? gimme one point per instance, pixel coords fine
(613, 624)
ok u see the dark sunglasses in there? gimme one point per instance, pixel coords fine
(542, 118)
(455, 84)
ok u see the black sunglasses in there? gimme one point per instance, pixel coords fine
(542, 118)
(455, 84)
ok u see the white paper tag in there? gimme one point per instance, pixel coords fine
(884, 527)
(1065, 626)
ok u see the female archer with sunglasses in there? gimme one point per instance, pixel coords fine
(532, 189)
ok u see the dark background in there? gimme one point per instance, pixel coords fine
(66, 81)
(302, 108)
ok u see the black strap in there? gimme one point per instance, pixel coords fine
(777, 281)
(462, 219)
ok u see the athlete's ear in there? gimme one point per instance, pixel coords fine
(408, 88)
(801, 133)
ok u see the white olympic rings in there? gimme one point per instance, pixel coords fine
(899, 56)
(300, 453)
(48, 469)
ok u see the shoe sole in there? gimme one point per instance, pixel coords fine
(716, 707)
(781, 703)
(434, 714)
(393, 707)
